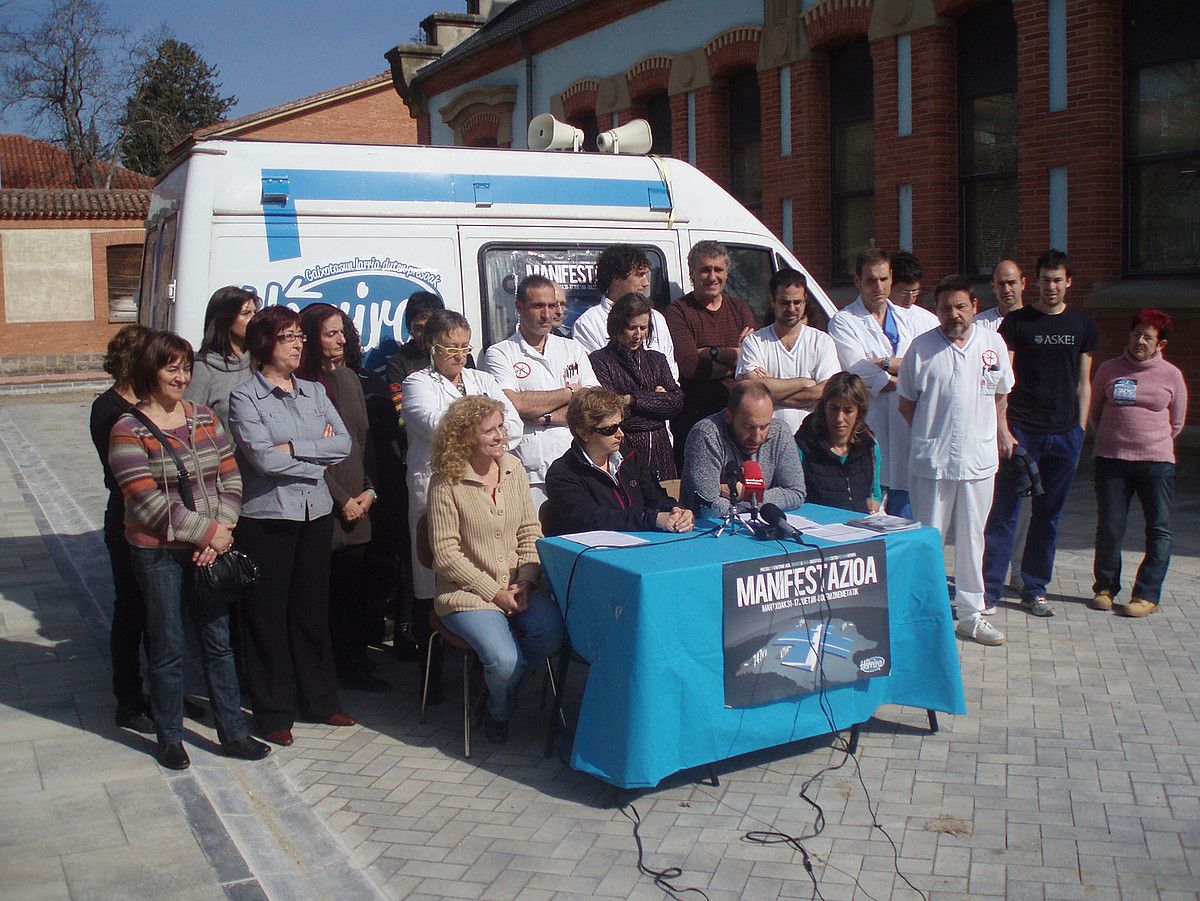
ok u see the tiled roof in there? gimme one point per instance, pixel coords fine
(513, 19)
(73, 203)
(233, 126)
(26, 162)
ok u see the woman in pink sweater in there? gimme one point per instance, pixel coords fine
(1139, 402)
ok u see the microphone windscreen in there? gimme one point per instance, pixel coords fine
(771, 514)
(752, 478)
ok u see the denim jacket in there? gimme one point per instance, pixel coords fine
(276, 484)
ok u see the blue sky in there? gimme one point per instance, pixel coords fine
(268, 51)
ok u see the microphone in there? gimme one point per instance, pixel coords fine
(730, 476)
(775, 518)
(755, 484)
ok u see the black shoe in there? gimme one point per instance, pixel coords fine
(404, 646)
(246, 748)
(495, 730)
(361, 680)
(135, 716)
(173, 756)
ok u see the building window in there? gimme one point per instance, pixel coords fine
(852, 154)
(589, 125)
(745, 140)
(1162, 140)
(124, 272)
(987, 137)
(656, 109)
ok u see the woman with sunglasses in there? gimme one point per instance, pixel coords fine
(427, 395)
(592, 486)
(287, 433)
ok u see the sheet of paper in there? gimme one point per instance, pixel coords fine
(605, 538)
(797, 521)
(839, 532)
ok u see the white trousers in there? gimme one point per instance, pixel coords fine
(963, 506)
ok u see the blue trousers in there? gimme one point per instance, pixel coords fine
(510, 647)
(1117, 481)
(165, 577)
(1057, 457)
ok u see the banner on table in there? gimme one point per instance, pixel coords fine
(795, 623)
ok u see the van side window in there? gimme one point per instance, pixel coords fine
(502, 267)
(750, 270)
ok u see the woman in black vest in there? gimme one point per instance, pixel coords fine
(839, 453)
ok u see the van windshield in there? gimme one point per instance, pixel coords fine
(572, 266)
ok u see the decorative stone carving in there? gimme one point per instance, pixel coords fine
(475, 106)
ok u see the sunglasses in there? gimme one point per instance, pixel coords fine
(454, 350)
(608, 430)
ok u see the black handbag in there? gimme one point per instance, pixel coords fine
(232, 572)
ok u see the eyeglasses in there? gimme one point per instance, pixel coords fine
(453, 350)
(290, 338)
(909, 292)
(608, 430)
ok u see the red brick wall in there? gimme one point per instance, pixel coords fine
(1085, 137)
(926, 159)
(73, 338)
(712, 125)
(679, 126)
(379, 117)
(806, 177)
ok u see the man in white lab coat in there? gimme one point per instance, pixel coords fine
(872, 336)
(622, 269)
(953, 389)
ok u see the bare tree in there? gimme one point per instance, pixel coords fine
(72, 71)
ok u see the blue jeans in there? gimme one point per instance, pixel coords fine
(510, 647)
(165, 577)
(1117, 481)
(1057, 457)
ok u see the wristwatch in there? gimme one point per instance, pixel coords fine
(546, 418)
(713, 353)
(885, 364)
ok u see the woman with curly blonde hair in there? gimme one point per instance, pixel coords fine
(483, 531)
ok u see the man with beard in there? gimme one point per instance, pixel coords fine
(953, 388)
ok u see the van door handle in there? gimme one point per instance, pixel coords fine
(483, 193)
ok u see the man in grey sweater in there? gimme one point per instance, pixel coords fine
(744, 430)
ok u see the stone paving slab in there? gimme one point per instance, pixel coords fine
(1074, 774)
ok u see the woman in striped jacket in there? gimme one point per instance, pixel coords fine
(167, 538)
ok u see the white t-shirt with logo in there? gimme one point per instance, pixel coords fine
(518, 367)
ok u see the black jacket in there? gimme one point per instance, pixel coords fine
(581, 498)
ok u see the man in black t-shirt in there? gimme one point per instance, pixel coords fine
(1051, 347)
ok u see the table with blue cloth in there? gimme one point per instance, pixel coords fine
(648, 621)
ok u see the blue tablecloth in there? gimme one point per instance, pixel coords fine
(648, 620)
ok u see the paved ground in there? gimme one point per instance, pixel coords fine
(1074, 774)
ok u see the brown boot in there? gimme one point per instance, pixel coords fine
(1102, 601)
(1138, 607)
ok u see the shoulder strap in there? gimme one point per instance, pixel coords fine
(185, 481)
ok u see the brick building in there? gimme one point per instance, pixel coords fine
(69, 259)
(365, 112)
(962, 130)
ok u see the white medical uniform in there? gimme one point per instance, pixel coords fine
(518, 367)
(954, 448)
(427, 395)
(591, 330)
(813, 356)
(858, 336)
(990, 318)
(923, 320)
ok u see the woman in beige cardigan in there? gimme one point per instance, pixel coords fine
(483, 532)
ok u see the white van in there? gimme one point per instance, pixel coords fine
(364, 227)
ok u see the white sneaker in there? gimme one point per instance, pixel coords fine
(980, 630)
